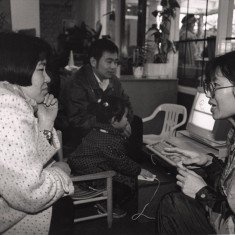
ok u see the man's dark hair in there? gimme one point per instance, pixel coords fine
(100, 46)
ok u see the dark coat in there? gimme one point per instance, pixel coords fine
(82, 90)
(104, 148)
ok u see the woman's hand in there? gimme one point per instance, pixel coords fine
(188, 157)
(189, 181)
(47, 112)
(63, 166)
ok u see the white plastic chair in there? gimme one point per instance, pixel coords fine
(172, 113)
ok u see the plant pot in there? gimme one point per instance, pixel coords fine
(138, 72)
(153, 70)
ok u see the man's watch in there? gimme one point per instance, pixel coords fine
(48, 134)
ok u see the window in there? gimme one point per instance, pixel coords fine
(213, 33)
(197, 39)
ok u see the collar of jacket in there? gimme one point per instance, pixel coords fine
(92, 81)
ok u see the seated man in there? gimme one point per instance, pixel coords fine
(89, 84)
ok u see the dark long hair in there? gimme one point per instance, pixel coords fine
(19, 55)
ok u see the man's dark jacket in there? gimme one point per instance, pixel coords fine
(82, 90)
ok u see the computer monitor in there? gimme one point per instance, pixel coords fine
(201, 124)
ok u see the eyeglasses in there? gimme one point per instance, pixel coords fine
(209, 87)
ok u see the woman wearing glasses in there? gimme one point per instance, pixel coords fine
(206, 205)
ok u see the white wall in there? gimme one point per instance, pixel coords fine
(104, 8)
(25, 15)
(84, 10)
(90, 11)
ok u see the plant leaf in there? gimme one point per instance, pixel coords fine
(155, 13)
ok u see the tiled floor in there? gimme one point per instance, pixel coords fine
(126, 225)
(123, 226)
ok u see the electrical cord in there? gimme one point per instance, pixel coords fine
(152, 160)
(137, 215)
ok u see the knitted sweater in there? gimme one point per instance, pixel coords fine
(29, 185)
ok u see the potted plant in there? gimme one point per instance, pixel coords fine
(160, 45)
(138, 61)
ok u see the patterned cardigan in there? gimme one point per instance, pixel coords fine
(29, 185)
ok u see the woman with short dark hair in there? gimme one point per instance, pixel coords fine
(206, 205)
(31, 182)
